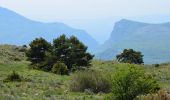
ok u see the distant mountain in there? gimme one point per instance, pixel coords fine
(101, 28)
(18, 30)
(151, 39)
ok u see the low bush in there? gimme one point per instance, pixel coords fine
(161, 95)
(93, 81)
(60, 68)
(15, 77)
(156, 65)
(132, 81)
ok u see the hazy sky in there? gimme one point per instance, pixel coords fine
(65, 10)
(49, 10)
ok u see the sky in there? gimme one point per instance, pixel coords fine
(66, 10)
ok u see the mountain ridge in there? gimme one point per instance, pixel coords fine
(18, 30)
(151, 39)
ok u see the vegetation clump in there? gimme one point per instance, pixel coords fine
(70, 51)
(94, 81)
(130, 56)
(156, 65)
(130, 82)
(13, 77)
(60, 68)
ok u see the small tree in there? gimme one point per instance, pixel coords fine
(37, 52)
(130, 56)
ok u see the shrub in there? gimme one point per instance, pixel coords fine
(93, 81)
(13, 77)
(60, 68)
(130, 82)
(156, 65)
(161, 95)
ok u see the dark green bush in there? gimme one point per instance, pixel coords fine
(43, 55)
(13, 77)
(156, 65)
(93, 81)
(60, 68)
(130, 82)
(130, 56)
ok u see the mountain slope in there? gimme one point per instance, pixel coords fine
(18, 30)
(151, 39)
(10, 53)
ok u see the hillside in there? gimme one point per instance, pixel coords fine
(46, 85)
(49, 86)
(9, 53)
(18, 30)
(151, 39)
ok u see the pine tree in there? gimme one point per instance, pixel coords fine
(71, 51)
(38, 48)
(130, 56)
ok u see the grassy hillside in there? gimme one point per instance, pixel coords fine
(10, 53)
(43, 85)
(161, 73)
(49, 86)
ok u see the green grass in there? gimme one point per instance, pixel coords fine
(49, 86)
(43, 85)
(162, 74)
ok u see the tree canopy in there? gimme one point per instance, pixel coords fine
(130, 56)
(38, 47)
(69, 51)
